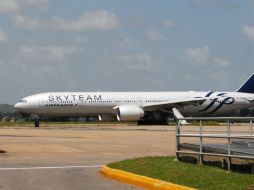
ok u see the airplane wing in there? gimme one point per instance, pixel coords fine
(173, 104)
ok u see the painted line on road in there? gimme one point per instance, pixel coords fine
(49, 167)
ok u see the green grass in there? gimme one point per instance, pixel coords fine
(196, 176)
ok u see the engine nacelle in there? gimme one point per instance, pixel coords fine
(129, 113)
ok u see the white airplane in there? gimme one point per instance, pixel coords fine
(137, 106)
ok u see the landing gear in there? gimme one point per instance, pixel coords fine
(36, 122)
(152, 122)
(154, 118)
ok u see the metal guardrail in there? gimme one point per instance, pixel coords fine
(228, 135)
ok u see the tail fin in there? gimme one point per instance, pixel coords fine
(248, 86)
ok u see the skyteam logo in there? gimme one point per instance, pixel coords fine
(217, 102)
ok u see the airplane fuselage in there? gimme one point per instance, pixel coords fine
(138, 106)
(104, 103)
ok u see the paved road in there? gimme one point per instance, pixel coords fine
(54, 148)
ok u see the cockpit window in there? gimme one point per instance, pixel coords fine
(23, 101)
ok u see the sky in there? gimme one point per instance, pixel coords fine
(124, 45)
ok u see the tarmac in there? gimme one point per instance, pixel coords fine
(70, 156)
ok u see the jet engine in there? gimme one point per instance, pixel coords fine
(129, 113)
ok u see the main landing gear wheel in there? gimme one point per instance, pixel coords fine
(152, 122)
(36, 122)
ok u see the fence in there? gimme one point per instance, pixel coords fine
(201, 136)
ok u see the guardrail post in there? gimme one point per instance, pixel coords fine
(178, 123)
(251, 128)
(201, 142)
(229, 144)
(227, 135)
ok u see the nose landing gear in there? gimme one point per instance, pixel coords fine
(36, 121)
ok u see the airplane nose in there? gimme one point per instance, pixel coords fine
(17, 106)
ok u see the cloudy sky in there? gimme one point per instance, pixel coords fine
(124, 45)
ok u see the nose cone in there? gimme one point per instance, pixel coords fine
(22, 107)
(18, 106)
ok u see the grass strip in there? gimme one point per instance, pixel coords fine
(196, 176)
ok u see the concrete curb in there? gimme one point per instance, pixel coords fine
(141, 181)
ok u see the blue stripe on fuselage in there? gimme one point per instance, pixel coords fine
(210, 105)
(222, 103)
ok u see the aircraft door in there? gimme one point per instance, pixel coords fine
(42, 103)
(139, 101)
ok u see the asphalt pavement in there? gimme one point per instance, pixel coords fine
(69, 157)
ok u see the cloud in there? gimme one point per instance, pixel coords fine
(27, 23)
(138, 61)
(43, 64)
(196, 55)
(14, 6)
(154, 36)
(97, 20)
(203, 56)
(222, 62)
(224, 4)
(48, 52)
(168, 23)
(248, 30)
(9, 6)
(3, 36)
(80, 39)
(125, 43)
(52, 61)
(40, 4)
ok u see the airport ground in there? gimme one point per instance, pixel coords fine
(53, 148)
(43, 158)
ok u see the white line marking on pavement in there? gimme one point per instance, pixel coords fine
(49, 167)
